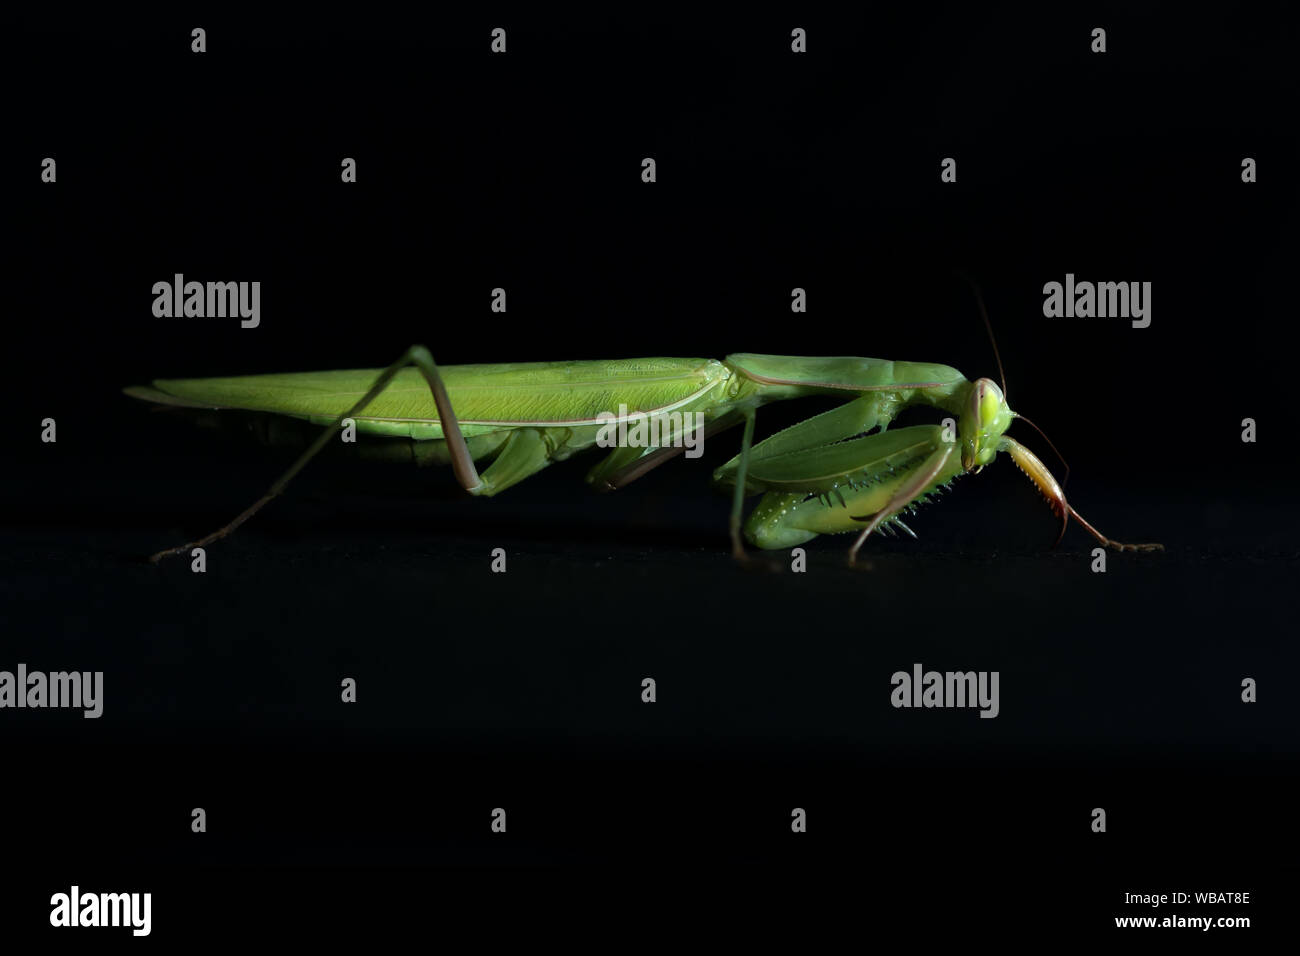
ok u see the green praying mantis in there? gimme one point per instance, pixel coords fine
(843, 470)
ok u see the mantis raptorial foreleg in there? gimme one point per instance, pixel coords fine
(462, 462)
(908, 491)
(823, 489)
(830, 427)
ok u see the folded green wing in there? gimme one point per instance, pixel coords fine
(486, 397)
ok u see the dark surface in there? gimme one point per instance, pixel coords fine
(522, 690)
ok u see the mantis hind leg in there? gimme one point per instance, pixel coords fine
(462, 462)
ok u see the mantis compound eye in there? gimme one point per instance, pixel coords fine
(988, 401)
(985, 412)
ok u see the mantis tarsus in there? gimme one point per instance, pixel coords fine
(842, 470)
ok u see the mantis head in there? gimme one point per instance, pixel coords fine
(985, 417)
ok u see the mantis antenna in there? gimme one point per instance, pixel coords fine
(979, 300)
(988, 327)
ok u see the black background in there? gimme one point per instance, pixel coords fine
(522, 690)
